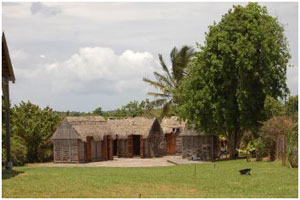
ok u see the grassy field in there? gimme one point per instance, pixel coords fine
(268, 179)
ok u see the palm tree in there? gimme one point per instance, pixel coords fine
(168, 82)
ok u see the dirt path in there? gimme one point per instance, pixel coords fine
(117, 162)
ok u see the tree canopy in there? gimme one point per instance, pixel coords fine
(34, 126)
(243, 60)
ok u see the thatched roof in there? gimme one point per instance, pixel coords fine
(131, 126)
(169, 124)
(82, 127)
(97, 127)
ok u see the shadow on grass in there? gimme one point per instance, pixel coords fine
(229, 159)
(10, 174)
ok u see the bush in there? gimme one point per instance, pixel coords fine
(292, 146)
(18, 151)
(260, 148)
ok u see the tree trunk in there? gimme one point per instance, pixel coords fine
(272, 150)
(234, 140)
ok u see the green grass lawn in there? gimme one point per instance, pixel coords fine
(268, 179)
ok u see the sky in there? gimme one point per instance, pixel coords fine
(79, 56)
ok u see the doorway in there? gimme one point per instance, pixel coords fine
(115, 147)
(88, 149)
(136, 145)
(171, 143)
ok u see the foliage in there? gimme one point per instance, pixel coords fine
(34, 126)
(291, 107)
(274, 131)
(260, 148)
(273, 107)
(268, 180)
(292, 150)
(275, 127)
(132, 109)
(98, 111)
(168, 82)
(18, 150)
(244, 59)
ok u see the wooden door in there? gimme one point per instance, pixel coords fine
(142, 147)
(171, 143)
(88, 152)
(130, 146)
(109, 148)
(104, 148)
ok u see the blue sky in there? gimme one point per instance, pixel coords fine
(79, 56)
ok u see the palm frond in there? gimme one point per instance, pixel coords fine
(159, 102)
(164, 80)
(157, 85)
(165, 110)
(164, 66)
(155, 94)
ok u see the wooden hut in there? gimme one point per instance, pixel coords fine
(137, 136)
(7, 76)
(199, 146)
(82, 139)
(173, 127)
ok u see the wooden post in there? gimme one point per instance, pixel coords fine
(213, 149)
(283, 155)
(8, 165)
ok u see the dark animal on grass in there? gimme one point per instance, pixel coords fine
(245, 171)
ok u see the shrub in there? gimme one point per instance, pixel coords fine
(292, 146)
(18, 151)
(260, 148)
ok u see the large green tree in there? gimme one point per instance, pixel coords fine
(244, 59)
(34, 126)
(168, 82)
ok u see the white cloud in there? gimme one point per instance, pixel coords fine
(42, 56)
(98, 69)
(38, 7)
(18, 55)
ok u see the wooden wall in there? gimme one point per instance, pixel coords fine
(122, 148)
(204, 147)
(81, 151)
(178, 148)
(107, 148)
(65, 150)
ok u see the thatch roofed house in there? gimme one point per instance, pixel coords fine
(138, 136)
(82, 139)
(173, 128)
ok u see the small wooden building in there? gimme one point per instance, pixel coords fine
(172, 128)
(82, 139)
(137, 136)
(199, 146)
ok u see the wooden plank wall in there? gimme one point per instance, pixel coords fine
(129, 147)
(81, 151)
(122, 148)
(65, 151)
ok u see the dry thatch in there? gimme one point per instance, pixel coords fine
(169, 124)
(98, 127)
(82, 127)
(131, 126)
